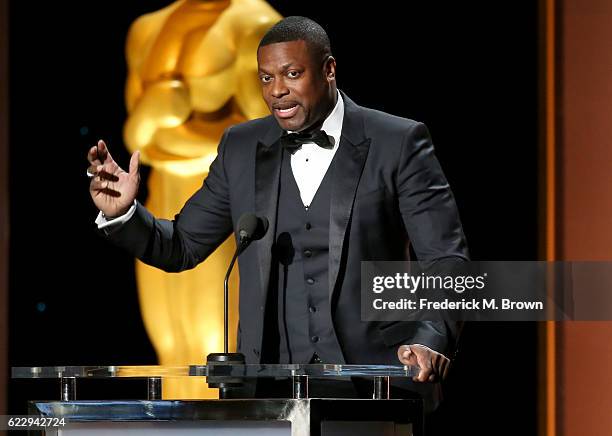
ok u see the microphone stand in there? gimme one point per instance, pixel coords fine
(224, 383)
(226, 298)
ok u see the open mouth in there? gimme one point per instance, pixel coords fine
(286, 112)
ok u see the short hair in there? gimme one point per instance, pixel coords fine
(297, 28)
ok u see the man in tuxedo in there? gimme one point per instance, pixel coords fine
(339, 184)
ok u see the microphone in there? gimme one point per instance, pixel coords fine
(250, 228)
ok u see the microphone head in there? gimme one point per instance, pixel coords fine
(252, 227)
(247, 224)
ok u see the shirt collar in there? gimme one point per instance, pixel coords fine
(333, 123)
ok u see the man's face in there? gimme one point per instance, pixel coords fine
(300, 91)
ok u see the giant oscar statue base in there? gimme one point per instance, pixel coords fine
(192, 73)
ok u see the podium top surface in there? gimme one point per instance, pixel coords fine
(217, 370)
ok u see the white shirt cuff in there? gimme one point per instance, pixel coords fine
(104, 222)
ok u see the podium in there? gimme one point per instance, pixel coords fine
(295, 415)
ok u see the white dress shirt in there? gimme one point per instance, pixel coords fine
(310, 162)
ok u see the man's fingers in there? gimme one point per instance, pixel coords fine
(432, 366)
(424, 362)
(99, 154)
(135, 163)
(92, 156)
(424, 374)
(99, 173)
(406, 355)
(102, 152)
(103, 180)
(93, 169)
(404, 352)
(104, 175)
(98, 184)
(444, 372)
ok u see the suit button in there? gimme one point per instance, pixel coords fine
(310, 281)
(312, 309)
(256, 352)
(307, 253)
(314, 339)
(308, 226)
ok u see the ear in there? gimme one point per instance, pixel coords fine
(330, 69)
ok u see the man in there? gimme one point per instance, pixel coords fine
(339, 184)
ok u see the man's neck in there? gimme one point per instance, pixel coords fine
(317, 126)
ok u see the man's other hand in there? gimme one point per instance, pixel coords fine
(433, 365)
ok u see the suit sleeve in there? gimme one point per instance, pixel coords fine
(426, 202)
(431, 219)
(197, 230)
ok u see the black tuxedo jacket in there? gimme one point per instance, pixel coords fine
(388, 190)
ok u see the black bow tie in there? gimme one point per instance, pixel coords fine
(293, 141)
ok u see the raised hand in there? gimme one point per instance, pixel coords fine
(111, 188)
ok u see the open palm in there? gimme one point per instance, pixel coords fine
(112, 189)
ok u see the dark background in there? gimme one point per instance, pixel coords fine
(466, 69)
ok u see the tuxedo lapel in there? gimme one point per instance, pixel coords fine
(267, 178)
(350, 160)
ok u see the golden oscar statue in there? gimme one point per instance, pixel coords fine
(192, 72)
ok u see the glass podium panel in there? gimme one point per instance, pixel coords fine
(143, 371)
(312, 370)
(229, 369)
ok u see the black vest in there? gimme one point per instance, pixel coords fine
(300, 287)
